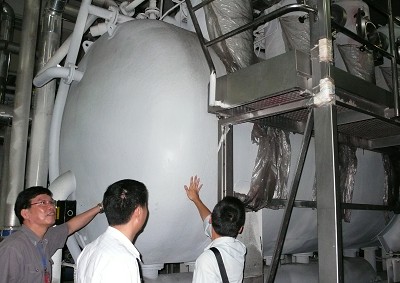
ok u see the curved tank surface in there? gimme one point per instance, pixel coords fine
(140, 112)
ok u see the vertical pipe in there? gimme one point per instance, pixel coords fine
(5, 207)
(22, 102)
(6, 34)
(393, 51)
(55, 126)
(49, 41)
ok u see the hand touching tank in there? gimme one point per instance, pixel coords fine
(193, 193)
(222, 226)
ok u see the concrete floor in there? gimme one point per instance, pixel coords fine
(185, 277)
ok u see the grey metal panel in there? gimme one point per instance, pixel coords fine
(384, 142)
(347, 83)
(277, 75)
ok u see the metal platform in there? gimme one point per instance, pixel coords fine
(278, 92)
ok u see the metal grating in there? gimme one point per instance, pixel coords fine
(370, 129)
(280, 99)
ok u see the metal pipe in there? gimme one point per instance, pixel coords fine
(7, 215)
(61, 188)
(9, 46)
(55, 126)
(63, 50)
(45, 77)
(6, 35)
(107, 14)
(361, 40)
(22, 102)
(49, 41)
(263, 19)
(393, 50)
(206, 53)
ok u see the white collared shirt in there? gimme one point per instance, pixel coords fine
(110, 258)
(233, 254)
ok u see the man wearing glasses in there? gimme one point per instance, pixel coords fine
(26, 254)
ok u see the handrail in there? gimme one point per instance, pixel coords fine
(372, 5)
(361, 40)
(263, 19)
(394, 61)
(202, 4)
(200, 34)
(204, 45)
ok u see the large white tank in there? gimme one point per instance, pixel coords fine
(140, 111)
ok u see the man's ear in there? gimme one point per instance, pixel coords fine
(241, 230)
(25, 213)
(138, 211)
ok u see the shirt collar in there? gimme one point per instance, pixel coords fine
(32, 236)
(123, 240)
(221, 240)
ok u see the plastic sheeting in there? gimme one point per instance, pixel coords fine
(391, 165)
(387, 76)
(347, 172)
(271, 169)
(223, 16)
(358, 62)
(296, 33)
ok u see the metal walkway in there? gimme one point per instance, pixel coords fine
(306, 93)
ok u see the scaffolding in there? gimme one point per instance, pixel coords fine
(313, 98)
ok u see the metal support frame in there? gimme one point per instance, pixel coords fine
(328, 196)
(291, 199)
(330, 246)
(225, 160)
(329, 207)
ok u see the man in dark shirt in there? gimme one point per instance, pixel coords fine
(26, 254)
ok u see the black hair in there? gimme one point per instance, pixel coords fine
(228, 216)
(122, 198)
(24, 199)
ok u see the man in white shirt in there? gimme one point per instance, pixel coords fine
(222, 226)
(112, 257)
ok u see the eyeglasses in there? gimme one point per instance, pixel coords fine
(45, 203)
